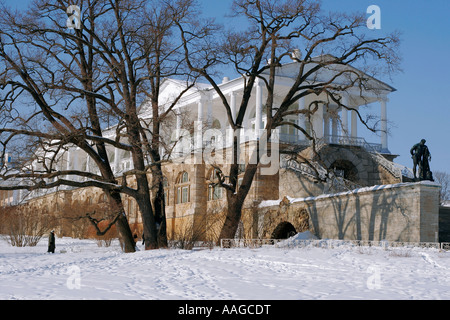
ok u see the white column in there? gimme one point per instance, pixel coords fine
(75, 163)
(301, 118)
(200, 108)
(233, 115)
(317, 122)
(178, 146)
(199, 133)
(334, 129)
(87, 163)
(178, 125)
(233, 105)
(116, 160)
(200, 118)
(384, 135)
(259, 98)
(354, 133)
(69, 161)
(326, 125)
(209, 116)
(344, 115)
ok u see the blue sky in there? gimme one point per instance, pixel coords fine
(421, 107)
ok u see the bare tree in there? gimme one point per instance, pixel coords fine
(443, 178)
(332, 44)
(62, 87)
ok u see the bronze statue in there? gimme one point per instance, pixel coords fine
(421, 157)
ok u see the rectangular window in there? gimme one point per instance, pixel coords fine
(210, 192)
(218, 193)
(185, 195)
(182, 194)
(288, 129)
(215, 193)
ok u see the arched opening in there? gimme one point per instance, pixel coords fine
(283, 231)
(345, 169)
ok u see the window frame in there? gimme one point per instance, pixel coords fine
(183, 189)
(215, 191)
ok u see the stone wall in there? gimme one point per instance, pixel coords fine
(444, 224)
(399, 212)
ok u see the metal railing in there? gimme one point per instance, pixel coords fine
(319, 172)
(373, 149)
(328, 244)
(247, 243)
(352, 141)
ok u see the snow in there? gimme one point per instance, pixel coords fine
(307, 235)
(81, 270)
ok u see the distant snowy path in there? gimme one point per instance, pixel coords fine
(86, 271)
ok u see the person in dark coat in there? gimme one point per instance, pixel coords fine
(51, 242)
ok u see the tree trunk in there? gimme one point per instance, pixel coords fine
(231, 224)
(158, 200)
(160, 216)
(129, 246)
(148, 218)
(125, 234)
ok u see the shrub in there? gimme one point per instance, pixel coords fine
(21, 227)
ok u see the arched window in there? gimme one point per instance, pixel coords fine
(104, 198)
(183, 188)
(215, 191)
(216, 124)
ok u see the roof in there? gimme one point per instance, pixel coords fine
(171, 87)
(290, 70)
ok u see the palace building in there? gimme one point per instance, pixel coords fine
(289, 199)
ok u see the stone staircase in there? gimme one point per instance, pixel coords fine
(372, 158)
(401, 173)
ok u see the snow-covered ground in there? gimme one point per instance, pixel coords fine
(81, 270)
